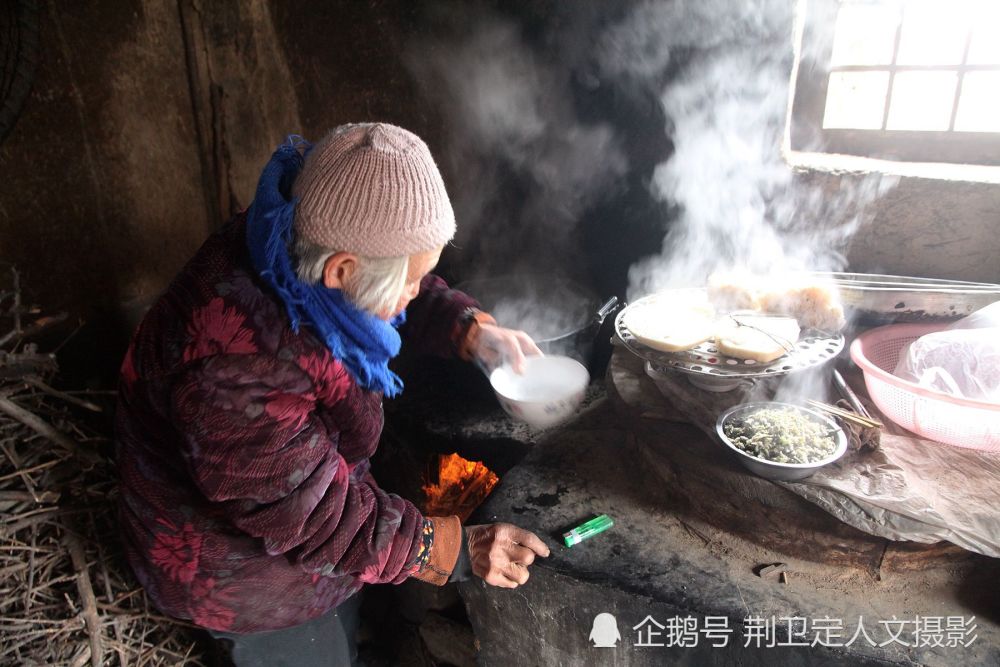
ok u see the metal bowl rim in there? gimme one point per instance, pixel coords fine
(757, 405)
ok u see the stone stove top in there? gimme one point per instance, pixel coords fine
(663, 560)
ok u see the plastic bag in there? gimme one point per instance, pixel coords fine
(984, 318)
(962, 360)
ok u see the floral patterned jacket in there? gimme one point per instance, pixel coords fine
(246, 498)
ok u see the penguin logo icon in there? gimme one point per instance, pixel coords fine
(605, 633)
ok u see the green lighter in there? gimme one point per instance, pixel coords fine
(587, 530)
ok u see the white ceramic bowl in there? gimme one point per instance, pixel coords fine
(548, 392)
(772, 469)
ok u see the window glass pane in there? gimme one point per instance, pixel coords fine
(933, 33)
(979, 105)
(855, 100)
(922, 101)
(864, 35)
(985, 47)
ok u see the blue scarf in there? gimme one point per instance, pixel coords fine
(361, 341)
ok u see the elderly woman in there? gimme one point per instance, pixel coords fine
(251, 401)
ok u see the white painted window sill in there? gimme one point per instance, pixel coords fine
(834, 163)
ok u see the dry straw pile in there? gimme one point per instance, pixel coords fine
(67, 596)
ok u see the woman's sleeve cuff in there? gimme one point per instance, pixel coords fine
(444, 551)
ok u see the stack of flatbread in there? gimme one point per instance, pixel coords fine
(747, 316)
(679, 327)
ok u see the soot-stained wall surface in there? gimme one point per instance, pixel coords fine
(150, 119)
(101, 196)
(145, 127)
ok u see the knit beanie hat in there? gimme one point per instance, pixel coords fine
(372, 189)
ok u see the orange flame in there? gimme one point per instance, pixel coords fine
(462, 485)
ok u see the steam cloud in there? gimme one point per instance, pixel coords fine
(741, 204)
(509, 112)
(721, 71)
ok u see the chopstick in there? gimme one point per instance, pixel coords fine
(845, 414)
(848, 393)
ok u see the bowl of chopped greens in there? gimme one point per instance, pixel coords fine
(781, 441)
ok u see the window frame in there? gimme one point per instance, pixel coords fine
(806, 132)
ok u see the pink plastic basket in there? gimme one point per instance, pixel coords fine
(955, 421)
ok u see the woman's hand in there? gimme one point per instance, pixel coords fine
(495, 346)
(500, 553)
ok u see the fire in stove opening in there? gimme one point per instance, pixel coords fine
(460, 488)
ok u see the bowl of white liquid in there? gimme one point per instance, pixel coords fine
(548, 392)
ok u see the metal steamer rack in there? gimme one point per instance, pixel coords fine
(708, 369)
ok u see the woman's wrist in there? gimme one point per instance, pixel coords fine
(470, 327)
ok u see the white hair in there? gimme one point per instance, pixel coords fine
(375, 286)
